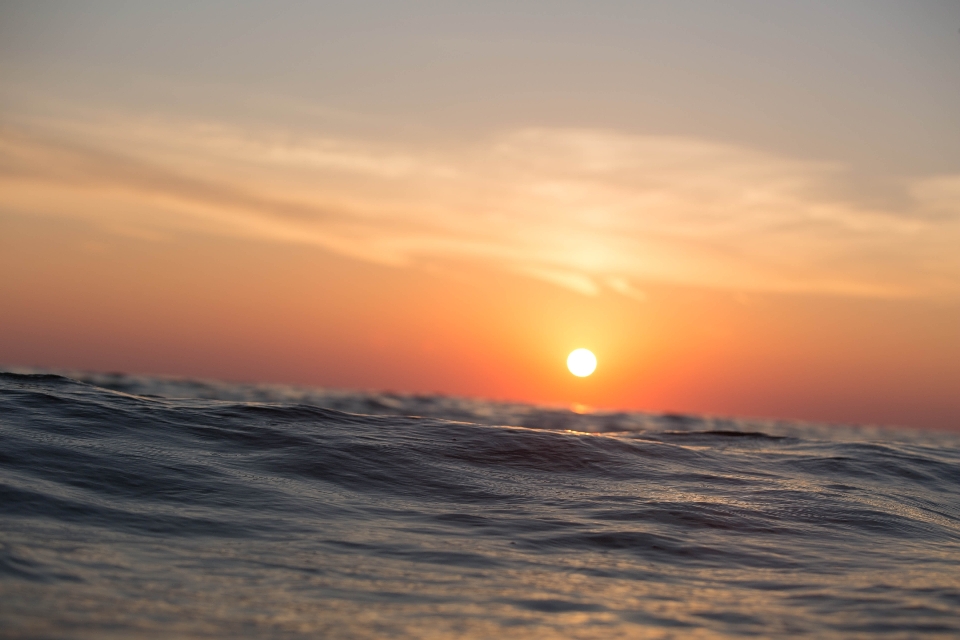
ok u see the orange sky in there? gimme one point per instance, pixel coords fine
(293, 228)
(244, 310)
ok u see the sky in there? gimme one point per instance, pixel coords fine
(743, 208)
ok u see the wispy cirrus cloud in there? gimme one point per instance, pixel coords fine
(585, 209)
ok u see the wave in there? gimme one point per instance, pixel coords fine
(137, 506)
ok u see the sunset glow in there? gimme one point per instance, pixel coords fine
(488, 319)
(581, 362)
(341, 209)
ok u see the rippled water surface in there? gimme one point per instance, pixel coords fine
(143, 507)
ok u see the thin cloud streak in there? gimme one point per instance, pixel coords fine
(584, 209)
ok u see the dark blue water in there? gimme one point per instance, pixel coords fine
(140, 507)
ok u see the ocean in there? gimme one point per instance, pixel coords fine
(145, 507)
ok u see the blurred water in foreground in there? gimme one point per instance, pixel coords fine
(153, 508)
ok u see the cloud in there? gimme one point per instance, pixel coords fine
(584, 209)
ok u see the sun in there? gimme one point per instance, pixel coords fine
(581, 362)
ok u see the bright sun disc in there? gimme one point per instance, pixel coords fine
(581, 362)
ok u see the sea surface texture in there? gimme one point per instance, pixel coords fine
(134, 507)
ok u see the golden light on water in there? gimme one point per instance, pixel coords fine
(581, 362)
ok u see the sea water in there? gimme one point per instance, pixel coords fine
(136, 507)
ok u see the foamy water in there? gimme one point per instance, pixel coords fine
(157, 508)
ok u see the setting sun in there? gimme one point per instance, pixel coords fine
(581, 362)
